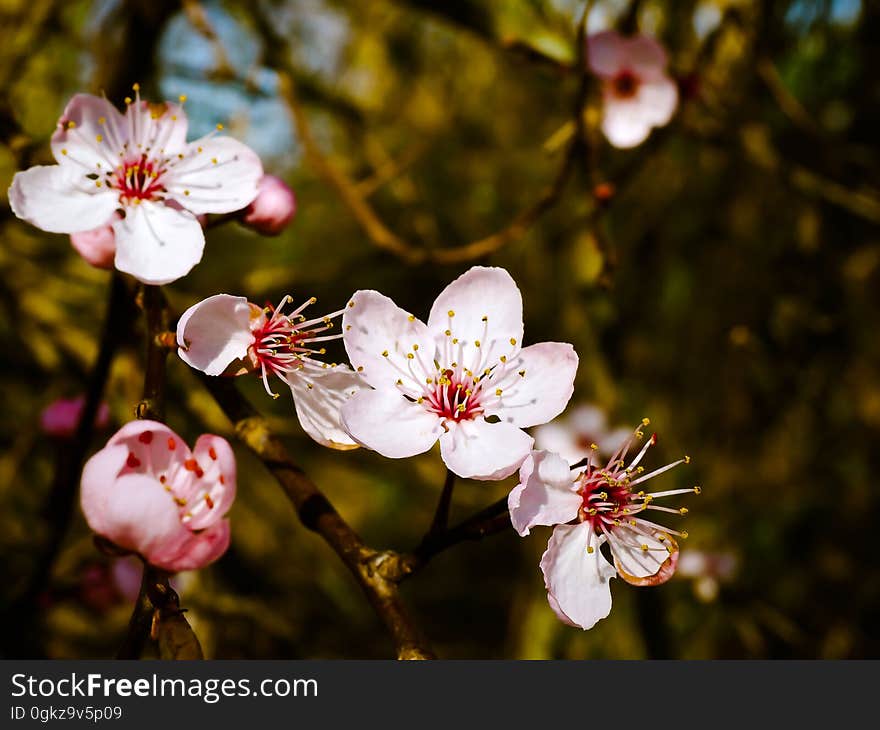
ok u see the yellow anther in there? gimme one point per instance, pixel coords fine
(214, 160)
(455, 340)
(97, 183)
(186, 192)
(468, 391)
(646, 421)
(460, 408)
(310, 386)
(415, 347)
(513, 340)
(687, 459)
(522, 373)
(683, 511)
(219, 127)
(698, 490)
(644, 548)
(399, 381)
(429, 380)
(384, 353)
(477, 343)
(412, 318)
(99, 138)
(590, 549)
(632, 522)
(102, 120)
(448, 333)
(351, 304)
(594, 447)
(485, 318)
(312, 300)
(420, 400)
(503, 358)
(182, 98)
(684, 535)
(603, 495)
(451, 313)
(360, 368)
(498, 391)
(136, 87)
(128, 100)
(409, 356)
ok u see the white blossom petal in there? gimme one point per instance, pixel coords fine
(386, 422)
(545, 494)
(577, 579)
(480, 450)
(214, 333)
(60, 200)
(216, 175)
(319, 407)
(157, 244)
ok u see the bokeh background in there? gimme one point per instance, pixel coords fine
(728, 290)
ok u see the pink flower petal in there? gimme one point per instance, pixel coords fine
(606, 53)
(318, 395)
(480, 450)
(384, 421)
(77, 146)
(273, 208)
(60, 200)
(97, 246)
(214, 333)
(487, 307)
(545, 494)
(542, 390)
(158, 244)
(200, 549)
(216, 175)
(577, 580)
(379, 335)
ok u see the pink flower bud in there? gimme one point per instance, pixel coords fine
(146, 492)
(61, 417)
(272, 209)
(97, 246)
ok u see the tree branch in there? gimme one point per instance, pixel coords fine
(318, 514)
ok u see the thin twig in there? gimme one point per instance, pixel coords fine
(317, 513)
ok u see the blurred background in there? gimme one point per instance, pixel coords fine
(721, 279)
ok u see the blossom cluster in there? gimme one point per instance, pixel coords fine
(134, 194)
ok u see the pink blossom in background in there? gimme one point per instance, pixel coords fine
(576, 431)
(708, 570)
(637, 93)
(145, 491)
(97, 246)
(605, 506)
(138, 164)
(463, 378)
(227, 335)
(61, 417)
(273, 208)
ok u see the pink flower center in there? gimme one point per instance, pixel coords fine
(455, 396)
(137, 180)
(625, 84)
(284, 343)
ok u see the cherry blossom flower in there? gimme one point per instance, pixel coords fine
(146, 492)
(60, 418)
(463, 378)
(637, 93)
(273, 208)
(227, 335)
(594, 506)
(574, 434)
(138, 164)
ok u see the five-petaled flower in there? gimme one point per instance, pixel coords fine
(636, 91)
(138, 164)
(146, 492)
(593, 506)
(463, 378)
(227, 335)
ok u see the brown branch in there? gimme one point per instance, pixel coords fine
(152, 405)
(318, 514)
(489, 521)
(377, 231)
